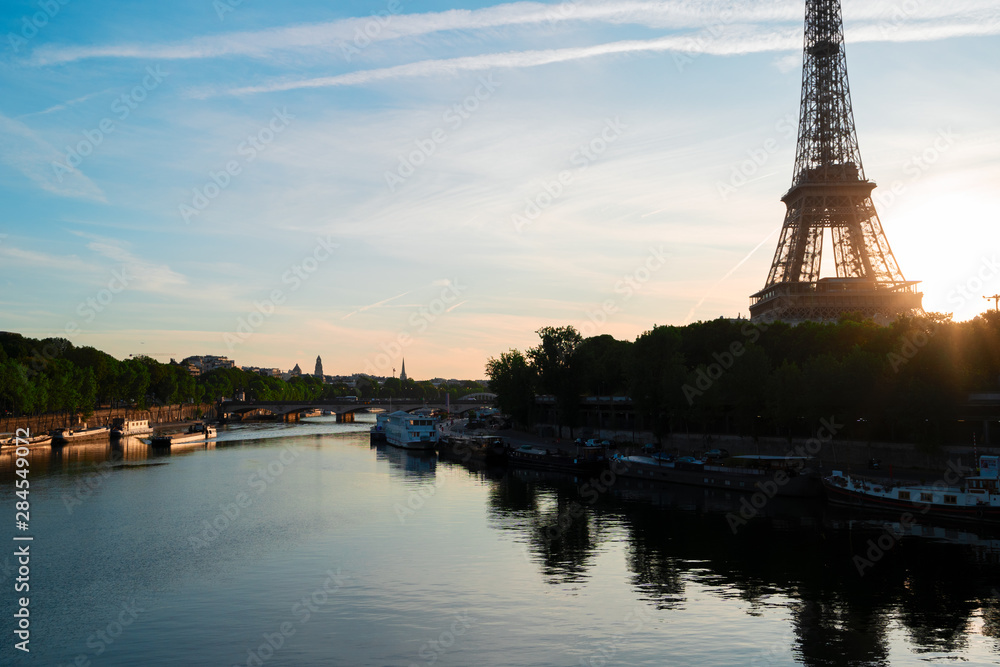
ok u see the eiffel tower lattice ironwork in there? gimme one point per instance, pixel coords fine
(829, 191)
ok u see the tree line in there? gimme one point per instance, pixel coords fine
(906, 382)
(53, 376)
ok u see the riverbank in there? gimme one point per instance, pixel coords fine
(904, 459)
(157, 415)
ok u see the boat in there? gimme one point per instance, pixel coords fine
(121, 428)
(972, 498)
(377, 431)
(794, 476)
(63, 436)
(408, 431)
(194, 433)
(14, 441)
(482, 449)
(586, 460)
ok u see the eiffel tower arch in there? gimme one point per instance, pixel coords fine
(830, 191)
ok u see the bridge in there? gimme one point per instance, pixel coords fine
(345, 408)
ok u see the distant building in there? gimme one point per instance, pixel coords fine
(296, 372)
(319, 368)
(402, 371)
(206, 363)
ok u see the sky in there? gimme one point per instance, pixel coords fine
(437, 180)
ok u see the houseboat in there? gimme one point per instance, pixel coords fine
(408, 431)
(378, 430)
(781, 475)
(585, 460)
(478, 449)
(121, 428)
(63, 436)
(973, 498)
(195, 433)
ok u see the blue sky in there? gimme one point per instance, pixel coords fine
(434, 180)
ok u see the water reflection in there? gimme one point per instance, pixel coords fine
(412, 463)
(932, 580)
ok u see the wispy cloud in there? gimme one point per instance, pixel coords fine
(14, 255)
(64, 105)
(733, 40)
(24, 150)
(661, 15)
(774, 41)
(373, 305)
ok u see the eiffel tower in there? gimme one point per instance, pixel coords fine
(829, 190)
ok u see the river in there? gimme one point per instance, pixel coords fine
(305, 545)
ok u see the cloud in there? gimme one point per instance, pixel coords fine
(374, 305)
(149, 277)
(335, 36)
(46, 262)
(724, 41)
(774, 41)
(65, 105)
(24, 150)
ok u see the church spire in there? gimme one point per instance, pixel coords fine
(402, 371)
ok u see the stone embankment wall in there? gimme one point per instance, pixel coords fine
(159, 414)
(835, 454)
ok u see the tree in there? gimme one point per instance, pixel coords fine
(552, 360)
(513, 381)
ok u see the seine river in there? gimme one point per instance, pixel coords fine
(305, 545)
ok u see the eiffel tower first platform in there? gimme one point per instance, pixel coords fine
(829, 191)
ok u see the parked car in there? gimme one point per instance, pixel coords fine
(715, 454)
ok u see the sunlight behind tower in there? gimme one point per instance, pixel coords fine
(830, 192)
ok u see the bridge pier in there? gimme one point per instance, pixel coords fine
(291, 417)
(345, 417)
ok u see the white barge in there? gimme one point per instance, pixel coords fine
(973, 498)
(408, 431)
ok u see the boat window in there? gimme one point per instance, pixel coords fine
(904, 495)
(926, 497)
(950, 500)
